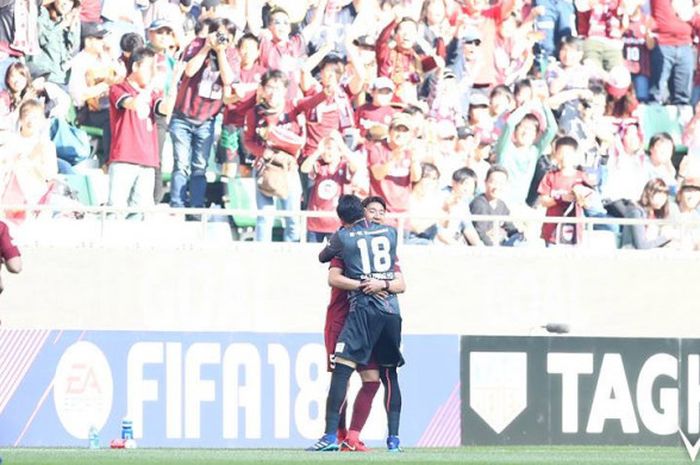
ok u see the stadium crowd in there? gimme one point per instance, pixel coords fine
(445, 108)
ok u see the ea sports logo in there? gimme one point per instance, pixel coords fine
(83, 389)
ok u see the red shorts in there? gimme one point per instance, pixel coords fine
(330, 337)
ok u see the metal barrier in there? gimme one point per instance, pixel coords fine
(106, 214)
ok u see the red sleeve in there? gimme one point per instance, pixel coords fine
(383, 50)
(337, 262)
(193, 49)
(307, 104)
(250, 138)
(545, 187)
(375, 154)
(8, 249)
(265, 45)
(117, 92)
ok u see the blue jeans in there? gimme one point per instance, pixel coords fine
(673, 76)
(317, 237)
(641, 87)
(557, 22)
(191, 148)
(264, 224)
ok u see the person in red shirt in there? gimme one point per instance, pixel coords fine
(394, 166)
(134, 157)
(330, 168)
(272, 110)
(401, 63)
(562, 192)
(373, 119)
(211, 65)
(231, 150)
(639, 40)
(10, 255)
(336, 314)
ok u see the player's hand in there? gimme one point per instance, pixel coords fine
(372, 286)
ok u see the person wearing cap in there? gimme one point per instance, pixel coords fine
(479, 117)
(373, 118)
(93, 71)
(59, 38)
(394, 165)
(464, 61)
(622, 101)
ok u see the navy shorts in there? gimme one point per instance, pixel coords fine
(371, 333)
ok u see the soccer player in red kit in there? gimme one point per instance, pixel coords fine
(336, 314)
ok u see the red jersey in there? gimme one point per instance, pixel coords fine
(9, 250)
(369, 115)
(284, 56)
(200, 97)
(555, 184)
(134, 136)
(395, 188)
(327, 189)
(234, 115)
(328, 115)
(257, 118)
(637, 55)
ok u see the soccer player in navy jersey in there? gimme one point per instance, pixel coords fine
(373, 325)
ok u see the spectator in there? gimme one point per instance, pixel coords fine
(374, 118)
(133, 158)
(557, 23)
(492, 233)
(602, 22)
(17, 89)
(653, 204)
(475, 154)
(570, 72)
(562, 192)
(435, 31)
(688, 199)
(639, 40)
(231, 150)
(480, 119)
(425, 204)
(163, 41)
(501, 103)
(513, 48)
(331, 168)
(268, 114)
(528, 132)
(59, 38)
(674, 54)
(30, 156)
(394, 165)
(458, 229)
(444, 100)
(127, 44)
(627, 168)
(661, 149)
(93, 71)
(211, 65)
(622, 101)
(401, 63)
(466, 61)
(336, 23)
(9, 253)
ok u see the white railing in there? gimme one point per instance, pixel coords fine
(107, 214)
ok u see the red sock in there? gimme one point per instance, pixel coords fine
(363, 404)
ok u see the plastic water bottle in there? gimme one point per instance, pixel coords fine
(94, 438)
(127, 429)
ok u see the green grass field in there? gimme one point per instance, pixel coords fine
(579, 455)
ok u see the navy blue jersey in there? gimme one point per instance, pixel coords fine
(368, 251)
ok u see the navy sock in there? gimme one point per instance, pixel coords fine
(392, 398)
(336, 396)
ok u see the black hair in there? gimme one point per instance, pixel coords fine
(274, 74)
(186, 3)
(427, 168)
(331, 59)
(660, 136)
(571, 41)
(413, 110)
(277, 10)
(501, 89)
(350, 209)
(130, 42)
(520, 85)
(140, 54)
(496, 169)
(529, 117)
(462, 174)
(374, 199)
(247, 36)
(565, 141)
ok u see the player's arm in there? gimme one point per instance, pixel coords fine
(331, 250)
(338, 280)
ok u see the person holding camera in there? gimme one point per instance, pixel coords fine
(211, 64)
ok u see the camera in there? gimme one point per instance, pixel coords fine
(221, 38)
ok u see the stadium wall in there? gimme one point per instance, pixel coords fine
(220, 347)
